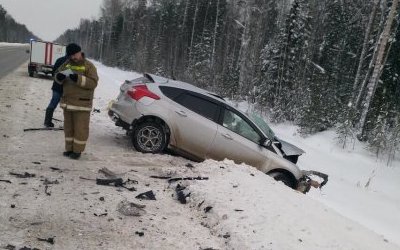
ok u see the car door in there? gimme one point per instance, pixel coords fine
(237, 140)
(195, 123)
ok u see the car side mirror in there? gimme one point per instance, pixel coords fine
(267, 142)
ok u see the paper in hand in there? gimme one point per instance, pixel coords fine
(67, 72)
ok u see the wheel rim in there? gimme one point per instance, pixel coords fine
(149, 138)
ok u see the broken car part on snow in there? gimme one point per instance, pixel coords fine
(46, 128)
(149, 195)
(306, 182)
(117, 182)
(170, 179)
(131, 209)
(24, 175)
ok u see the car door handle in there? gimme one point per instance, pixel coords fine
(227, 136)
(181, 113)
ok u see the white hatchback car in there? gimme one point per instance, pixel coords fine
(161, 113)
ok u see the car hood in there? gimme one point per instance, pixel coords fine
(290, 149)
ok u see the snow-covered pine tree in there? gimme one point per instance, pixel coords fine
(334, 69)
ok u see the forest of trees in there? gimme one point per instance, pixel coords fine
(320, 64)
(11, 31)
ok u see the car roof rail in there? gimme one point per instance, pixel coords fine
(216, 95)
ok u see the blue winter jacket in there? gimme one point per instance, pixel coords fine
(60, 61)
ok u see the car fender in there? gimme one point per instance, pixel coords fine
(275, 162)
(162, 113)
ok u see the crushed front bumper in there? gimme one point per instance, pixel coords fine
(306, 182)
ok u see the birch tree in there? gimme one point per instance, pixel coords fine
(382, 49)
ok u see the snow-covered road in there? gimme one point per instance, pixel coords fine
(237, 208)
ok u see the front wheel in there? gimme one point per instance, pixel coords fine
(285, 178)
(149, 137)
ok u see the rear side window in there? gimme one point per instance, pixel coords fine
(171, 92)
(203, 107)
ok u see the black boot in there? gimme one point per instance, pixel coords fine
(67, 153)
(75, 156)
(48, 118)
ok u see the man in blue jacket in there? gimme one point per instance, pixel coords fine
(57, 93)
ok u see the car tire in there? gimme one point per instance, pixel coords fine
(149, 137)
(31, 73)
(283, 177)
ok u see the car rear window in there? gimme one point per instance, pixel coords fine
(201, 106)
(171, 92)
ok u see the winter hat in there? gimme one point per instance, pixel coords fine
(72, 49)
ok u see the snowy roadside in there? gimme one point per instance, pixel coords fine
(361, 187)
(237, 208)
(3, 44)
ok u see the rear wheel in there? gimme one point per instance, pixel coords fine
(285, 178)
(149, 137)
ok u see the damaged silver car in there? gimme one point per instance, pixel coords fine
(161, 113)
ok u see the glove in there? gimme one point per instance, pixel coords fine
(60, 77)
(73, 77)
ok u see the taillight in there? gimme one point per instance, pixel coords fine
(140, 91)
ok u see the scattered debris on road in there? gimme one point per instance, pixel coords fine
(24, 175)
(112, 180)
(48, 240)
(28, 248)
(39, 129)
(131, 209)
(139, 233)
(100, 215)
(181, 195)
(161, 177)
(10, 247)
(207, 209)
(6, 181)
(170, 179)
(56, 169)
(149, 195)
(117, 182)
(187, 178)
(47, 182)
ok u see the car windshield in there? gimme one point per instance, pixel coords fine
(262, 125)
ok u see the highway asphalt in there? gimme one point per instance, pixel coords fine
(11, 57)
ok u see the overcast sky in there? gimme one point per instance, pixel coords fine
(50, 18)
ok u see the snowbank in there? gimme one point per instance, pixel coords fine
(252, 211)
